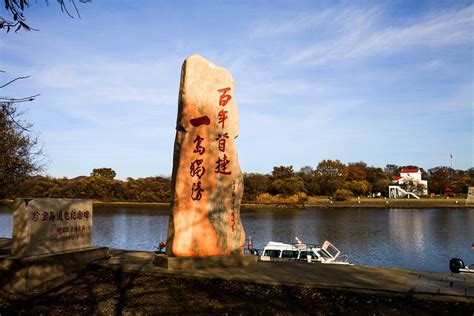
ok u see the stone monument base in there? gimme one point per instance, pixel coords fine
(202, 262)
(24, 274)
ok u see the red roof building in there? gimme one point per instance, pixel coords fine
(413, 170)
(411, 175)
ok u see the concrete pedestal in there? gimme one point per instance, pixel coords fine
(182, 263)
(23, 274)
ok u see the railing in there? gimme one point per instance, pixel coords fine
(395, 192)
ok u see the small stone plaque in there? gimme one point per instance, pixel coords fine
(46, 226)
(470, 194)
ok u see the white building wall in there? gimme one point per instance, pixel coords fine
(416, 176)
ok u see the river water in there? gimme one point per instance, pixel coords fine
(419, 239)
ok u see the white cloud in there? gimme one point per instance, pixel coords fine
(304, 21)
(111, 80)
(363, 35)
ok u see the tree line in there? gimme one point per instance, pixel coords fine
(335, 179)
(22, 160)
(329, 178)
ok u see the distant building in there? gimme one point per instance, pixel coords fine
(414, 176)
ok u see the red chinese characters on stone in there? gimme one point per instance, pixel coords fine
(221, 165)
(35, 216)
(224, 98)
(232, 221)
(196, 194)
(196, 169)
(59, 215)
(222, 116)
(203, 120)
(199, 149)
(70, 229)
(221, 140)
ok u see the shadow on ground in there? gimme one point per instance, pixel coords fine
(108, 291)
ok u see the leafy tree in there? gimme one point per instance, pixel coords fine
(283, 172)
(356, 171)
(379, 180)
(358, 187)
(342, 195)
(462, 182)
(20, 153)
(307, 174)
(288, 186)
(331, 175)
(439, 179)
(470, 173)
(285, 182)
(103, 172)
(392, 169)
(306, 171)
(255, 184)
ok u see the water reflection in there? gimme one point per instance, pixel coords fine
(6, 222)
(140, 229)
(420, 239)
(408, 231)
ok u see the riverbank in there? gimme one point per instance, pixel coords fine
(324, 203)
(129, 283)
(318, 203)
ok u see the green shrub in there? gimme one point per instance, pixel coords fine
(342, 195)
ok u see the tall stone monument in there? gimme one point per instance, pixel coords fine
(207, 182)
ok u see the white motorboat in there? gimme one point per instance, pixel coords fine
(327, 253)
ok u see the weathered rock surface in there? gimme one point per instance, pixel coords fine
(207, 181)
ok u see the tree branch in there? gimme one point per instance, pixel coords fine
(16, 9)
(17, 100)
(18, 78)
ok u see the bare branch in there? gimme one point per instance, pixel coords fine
(11, 115)
(17, 100)
(18, 78)
(64, 9)
(75, 7)
(16, 9)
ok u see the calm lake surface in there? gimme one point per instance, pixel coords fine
(419, 239)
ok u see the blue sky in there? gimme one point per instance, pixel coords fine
(381, 82)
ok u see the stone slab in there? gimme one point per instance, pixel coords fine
(452, 291)
(470, 292)
(45, 226)
(202, 262)
(423, 288)
(440, 283)
(23, 274)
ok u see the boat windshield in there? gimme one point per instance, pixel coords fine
(272, 253)
(304, 255)
(291, 254)
(323, 254)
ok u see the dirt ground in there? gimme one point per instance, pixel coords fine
(102, 291)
